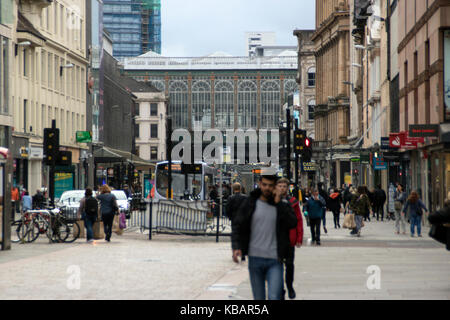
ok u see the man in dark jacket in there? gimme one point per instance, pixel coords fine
(261, 231)
(235, 201)
(379, 201)
(315, 208)
(323, 193)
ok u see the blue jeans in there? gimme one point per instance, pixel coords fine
(262, 270)
(416, 220)
(89, 222)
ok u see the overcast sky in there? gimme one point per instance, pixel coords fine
(199, 27)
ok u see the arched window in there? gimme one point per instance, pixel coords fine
(201, 104)
(312, 77)
(178, 107)
(290, 86)
(270, 104)
(311, 107)
(247, 92)
(158, 84)
(224, 104)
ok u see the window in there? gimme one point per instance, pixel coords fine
(153, 153)
(224, 104)
(25, 106)
(4, 73)
(312, 77)
(50, 70)
(311, 107)
(270, 104)
(153, 130)
(43, 67)
(201, 104)
(25, 63)
(153, 109)
(247, 104)
(178, 95)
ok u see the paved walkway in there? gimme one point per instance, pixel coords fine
(183, 267)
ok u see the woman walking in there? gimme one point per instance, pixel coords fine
(361, 207)
(335, 206)
(108, 207)
(399, 202)
(413, 207)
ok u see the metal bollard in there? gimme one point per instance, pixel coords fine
(150, 221)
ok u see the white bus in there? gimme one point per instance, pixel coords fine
(199, 177)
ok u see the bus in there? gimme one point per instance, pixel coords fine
(199, 177)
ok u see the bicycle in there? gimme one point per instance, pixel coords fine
(36, 222)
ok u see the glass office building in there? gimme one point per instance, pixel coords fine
(134, 25)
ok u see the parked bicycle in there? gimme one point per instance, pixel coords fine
(35, 222)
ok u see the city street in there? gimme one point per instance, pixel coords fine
(175, 267)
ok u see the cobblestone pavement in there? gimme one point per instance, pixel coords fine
(189, 268)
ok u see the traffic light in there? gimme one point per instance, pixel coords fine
(282, 154)
(307, 150)
(299, 141)
(51, 145)
(64, 158)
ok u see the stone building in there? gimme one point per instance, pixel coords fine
(306, 79)
(332, 113)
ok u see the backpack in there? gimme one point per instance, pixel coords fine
(91, 206)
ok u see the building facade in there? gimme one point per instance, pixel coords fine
(6, 121)
(424, 83)
(220, 91)
(332, 112)
(48, 83)
(134, 25)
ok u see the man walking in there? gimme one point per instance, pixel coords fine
(315, 209)
(380, 198)
(295, 235)
(261, 231)
(399, 202)
(235, 201)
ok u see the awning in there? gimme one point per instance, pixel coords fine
(110, 155)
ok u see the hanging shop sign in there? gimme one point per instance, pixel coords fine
(423, 130)
(308, 166)
(379, 163)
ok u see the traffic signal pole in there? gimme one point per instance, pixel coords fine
(288, 139)
(52, 174)
(296, 189)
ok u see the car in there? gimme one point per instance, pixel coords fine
(70, 199)
(122, 201)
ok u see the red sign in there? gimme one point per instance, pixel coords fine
(395, 140)
(402, 140)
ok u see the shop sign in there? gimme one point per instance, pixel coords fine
(423, 130)
(84, 136)
(395, 140)
(379, 164)
(384, 143)
(24, 152)
(365, 157)
(36, 153)
(308, 166)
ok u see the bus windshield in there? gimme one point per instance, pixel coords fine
(178, 182)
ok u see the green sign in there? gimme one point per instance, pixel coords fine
(84, 136)
(355, 159)
(365, 157)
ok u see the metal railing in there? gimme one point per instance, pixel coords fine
(180, 217)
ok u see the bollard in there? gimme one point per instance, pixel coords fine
(150, 221)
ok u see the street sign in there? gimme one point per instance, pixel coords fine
(308, 166)
(84, 136)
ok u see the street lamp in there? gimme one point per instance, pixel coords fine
(69, 65)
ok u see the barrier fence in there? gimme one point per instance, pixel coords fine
(180, 217)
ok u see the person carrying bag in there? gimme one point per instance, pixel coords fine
(108, 208)
(88, 211)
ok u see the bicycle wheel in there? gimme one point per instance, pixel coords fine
(15, 226)
(68, 231)
(28, 231)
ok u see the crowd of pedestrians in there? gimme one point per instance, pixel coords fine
(267, 225)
